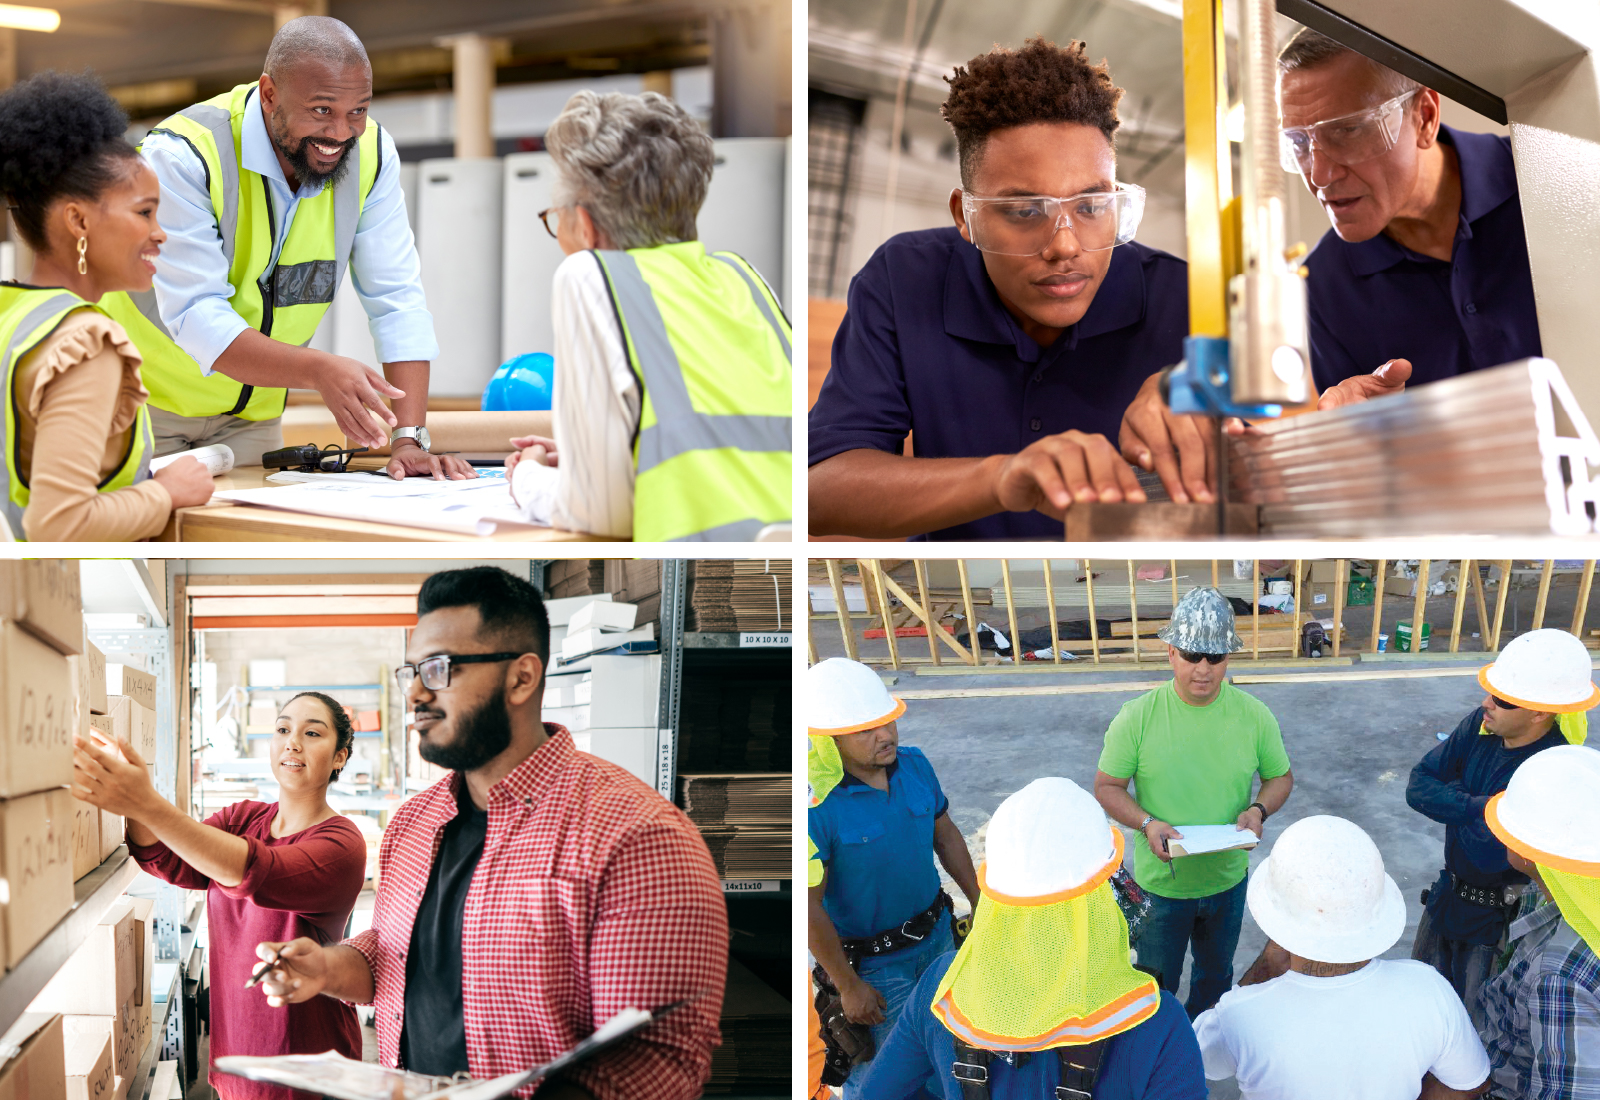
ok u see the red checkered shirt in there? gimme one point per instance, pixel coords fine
(593, 894)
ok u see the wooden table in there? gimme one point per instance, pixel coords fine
(224, 521)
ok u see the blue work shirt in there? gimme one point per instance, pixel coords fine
(1378, 300)
(927, 348)
(878, 847)
(1452, 785)
(1158, 1060)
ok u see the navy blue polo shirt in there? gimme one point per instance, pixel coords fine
(1378, 300)
(878, 847)
(927, 347)
(1157, 1060)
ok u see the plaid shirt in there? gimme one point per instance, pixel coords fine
(593, 895)
(1542, 1013)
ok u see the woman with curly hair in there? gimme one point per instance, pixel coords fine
(85, 203)
(672, 399)
(272, 871)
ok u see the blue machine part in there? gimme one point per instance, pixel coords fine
(1202, 382)
(522, 384)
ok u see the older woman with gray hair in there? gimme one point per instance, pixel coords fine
(672, 402)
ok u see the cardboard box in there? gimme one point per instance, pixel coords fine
(633, 749)
(577, 643)
(110, 834)
(136, 724)
(165, 1080)
(85, 838)
(36, 737)
(122, 1088)
(98, 979)
(624, 691)
(133, 1031)
(601, 615)
(136, 684)
(36, 862)
(38, 1070)
(1399, 586)
(87, 1040)
(1323, 572)
(95, 671)
(144, 932)
(46, 597)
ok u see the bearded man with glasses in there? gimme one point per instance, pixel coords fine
(1537, 692)
(1192, 749)
(532, 893)
(1005, 346)
(1424, 274)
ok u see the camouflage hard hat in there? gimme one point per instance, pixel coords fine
(1202, 623)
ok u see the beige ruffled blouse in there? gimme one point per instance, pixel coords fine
(77, 395)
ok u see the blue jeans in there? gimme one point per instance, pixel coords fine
(1465, 966)
(1211, 925)
(895, 976)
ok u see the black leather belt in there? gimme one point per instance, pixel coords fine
(912, 932)
(1486, 897)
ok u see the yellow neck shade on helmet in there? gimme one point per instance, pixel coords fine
(1579, 899)
(824, 769)
(1037, 976)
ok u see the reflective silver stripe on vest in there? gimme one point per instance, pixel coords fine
(744, 530)
(220, 123)
(678, 429)
(143, 472)
(346, 213)
(35, 317)
(761, 304)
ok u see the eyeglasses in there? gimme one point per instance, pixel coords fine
(435, 670)
(544, 216)
(1501, 704)
(1023, 225)
(1208, 658)
(1346, 140)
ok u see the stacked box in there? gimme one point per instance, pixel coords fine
(45, 596)
(110, 823)
(37, 1071)
(85, 838)
(100, 979)
(575, 577)
(88, 1055)
(636, 582)
(133, 723)
(136, 684)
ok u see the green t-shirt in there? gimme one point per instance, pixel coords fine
(1193, 766)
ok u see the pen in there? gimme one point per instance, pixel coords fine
(1173, 871)
(266, 968)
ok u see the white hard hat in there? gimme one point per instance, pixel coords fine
(1323, 894)
(1545, 670)
(1549, 812)
(1049, 841)
(847, 697)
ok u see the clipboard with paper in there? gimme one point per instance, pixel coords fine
(332, 1074)
(1199, 840)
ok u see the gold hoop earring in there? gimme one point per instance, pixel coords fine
(83, 263)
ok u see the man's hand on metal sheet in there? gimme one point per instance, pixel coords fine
(1177, 448)
(1061, 470)
(301, 972)
(1387, 379)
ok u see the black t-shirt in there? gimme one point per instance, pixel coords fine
(434, 1039)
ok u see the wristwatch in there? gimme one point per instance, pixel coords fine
(1145, 824)
(418, 434)
(1263, 809)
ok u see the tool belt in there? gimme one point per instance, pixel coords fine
(1486, 897)
(909, 934)
(1080, 1069)
(846, 1044)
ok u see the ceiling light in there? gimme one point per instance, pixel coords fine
(21, 18)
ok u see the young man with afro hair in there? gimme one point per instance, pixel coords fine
(1009, 350)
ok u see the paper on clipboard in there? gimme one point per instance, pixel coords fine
(335, 1075)
(1199, 840)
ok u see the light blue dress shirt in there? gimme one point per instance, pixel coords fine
(191, 282)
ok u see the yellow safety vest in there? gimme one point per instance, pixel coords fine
(27, 316)
(284, 299)
(710, 346)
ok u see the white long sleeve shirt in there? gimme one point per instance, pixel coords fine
(596, 405)
(191, 281)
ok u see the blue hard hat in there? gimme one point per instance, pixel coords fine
(522, 384)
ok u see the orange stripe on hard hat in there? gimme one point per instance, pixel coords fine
(899, 709)
(1044, 1040)
(1078, 891)
(1543, 708)
(1491, 814)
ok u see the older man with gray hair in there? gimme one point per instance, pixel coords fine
(672, 398)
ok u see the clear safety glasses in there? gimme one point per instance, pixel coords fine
(1347, 140)
(1022, 225)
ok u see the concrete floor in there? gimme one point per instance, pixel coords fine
(1351, 744)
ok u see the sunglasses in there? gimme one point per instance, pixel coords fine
(1501, 704)
(1208, 658)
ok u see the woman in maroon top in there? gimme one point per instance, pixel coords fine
(271, 872)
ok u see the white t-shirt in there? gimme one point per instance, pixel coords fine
(1371, 1034)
